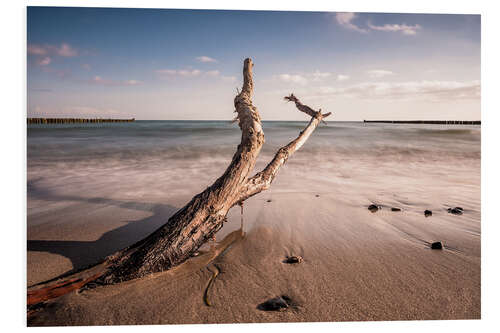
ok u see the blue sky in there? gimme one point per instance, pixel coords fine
(186, 64)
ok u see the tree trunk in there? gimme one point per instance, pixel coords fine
(205, 214)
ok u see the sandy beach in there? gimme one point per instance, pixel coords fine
(357, 265)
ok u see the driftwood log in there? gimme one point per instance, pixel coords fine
(205, 214)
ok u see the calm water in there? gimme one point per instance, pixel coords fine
(159, 159)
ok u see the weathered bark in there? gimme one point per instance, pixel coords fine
(205, 214)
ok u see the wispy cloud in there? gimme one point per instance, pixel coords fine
(345, 20)
(92, 111)
(378, 73)
(76, 111)
(212, 73)
(43, 55)
(293, 78)
(37, 49)
(304, 78)
(228, 78)
(431, 90)
(179, 72)
(205, 59)
(403, 28)
(317, 75)
(342, 77)
(44, 61)
(187, 73)
(63, 50)
(108, 82)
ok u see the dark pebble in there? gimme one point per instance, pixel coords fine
(394, 209)
(437, 246)
(279, 303)
(456, 211)
(293, 260)
(373, 208)
(428, 213)
(269, 200)
(317, 195)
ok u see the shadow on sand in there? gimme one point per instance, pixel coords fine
(84, 253)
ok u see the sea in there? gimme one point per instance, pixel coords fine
(158, 161)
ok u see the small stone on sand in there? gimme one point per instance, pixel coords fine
(293, 260)
(269, 200)
(428, 213)
(437, 246)
(394, 209)
(373, 208)
(279, 303)
(456, 211)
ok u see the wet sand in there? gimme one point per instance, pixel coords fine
(357, 265)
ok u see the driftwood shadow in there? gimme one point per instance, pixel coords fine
(84, 253)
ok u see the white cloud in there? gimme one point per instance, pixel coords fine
(108, 82)
(342, 77)
(189, 72)
(44, 61)
(205, 59)
(179, 72)
(192, 73)
(65, 50)
(166, 71)
(212, 73)
(91, 111)
(345, 20)
(76, 111)
(403, 28)
(433, 90)
(293, 78)
(45, 54)
(132, 82)
(37, 49)
(228, 78)
(378, 73)
(317, 75)
(305, 78)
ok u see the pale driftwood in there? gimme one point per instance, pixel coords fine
(205, 214)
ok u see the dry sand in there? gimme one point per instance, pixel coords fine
(357, 265)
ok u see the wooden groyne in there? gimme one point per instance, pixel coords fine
(440, 122)
(76, 120)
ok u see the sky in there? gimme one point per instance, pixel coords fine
(154, 64)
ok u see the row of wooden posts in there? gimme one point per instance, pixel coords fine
(76, 120)
(442, 122)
